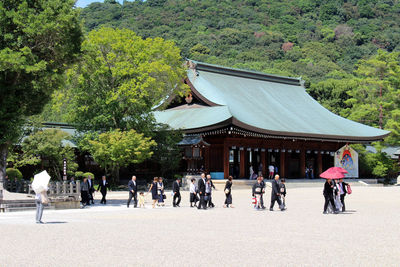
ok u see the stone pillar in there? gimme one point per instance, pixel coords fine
(302, 163)
(319, 160)
(226, 160)
(282, 167)
(242, 163)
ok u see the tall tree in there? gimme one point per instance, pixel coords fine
(375, 101)
(121, 78)
(38, 39)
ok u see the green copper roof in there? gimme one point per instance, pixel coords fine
(265, 104)
(193, 117)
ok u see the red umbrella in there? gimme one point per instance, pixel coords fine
(332, 173)
(339, 169)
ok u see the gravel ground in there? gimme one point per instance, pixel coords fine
(367, 235)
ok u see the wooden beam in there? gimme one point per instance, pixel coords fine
(302, 163)
(319, 162)
(263, 162)
(282, 167)
(242, 163)
(226, 160)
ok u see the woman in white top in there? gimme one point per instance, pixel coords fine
(193, 193)
(160, 191)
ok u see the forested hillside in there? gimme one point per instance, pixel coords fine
(314, 39)
(346, 51)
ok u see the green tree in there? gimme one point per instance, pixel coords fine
(47, 149)
(121, 78)
(38, 39)
(116, 148)
(376, 100)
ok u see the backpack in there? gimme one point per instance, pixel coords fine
(349, 191)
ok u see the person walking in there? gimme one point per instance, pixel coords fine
(193, 193)
(343, 192)
(103, 189)
(132, 186)
(271, 170)
(40, 200)
(262, 192)
(177, 194)
(153, 190)
(160, 192)
(85, 193)
(202, 191)
(209, 187)
(257, 192)
(91, 189)
(275, 194)
(228, 193)
(282, 188)
(328, 195)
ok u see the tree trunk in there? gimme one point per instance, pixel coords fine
(115, 174)
(3, 166)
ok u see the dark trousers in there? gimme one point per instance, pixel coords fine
(262, 200)
(202, 203)
(327, 201)
(85, 198)
(177, 195)
(209, 200)
(134, 196)
(342, 200)
(228, 199)
(103, 199)
(91, 196)
(276, 198)
(193, 199)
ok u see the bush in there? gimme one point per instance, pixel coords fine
(13, 173)
(87, 174)
(78, 175)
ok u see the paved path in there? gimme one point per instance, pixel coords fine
(367, 235)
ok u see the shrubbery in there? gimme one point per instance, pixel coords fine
(13, 173)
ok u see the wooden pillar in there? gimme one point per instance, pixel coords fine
(263, 162)
(226, 160)
(242, 163)
(282, 167)
(319, 160)
(207, 159)
(302, 163)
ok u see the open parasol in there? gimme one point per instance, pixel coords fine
(40, 182)
(332, 173)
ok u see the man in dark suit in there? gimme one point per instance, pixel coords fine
(342, 186)
(91, 189)
(132, 186)
(275, 194)
(177, 194)
(328, 194)
(103, 189)
(202, 191)
(262, 193)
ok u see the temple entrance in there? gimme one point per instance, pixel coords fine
(234, 163)
(311, 164)
(292, 164)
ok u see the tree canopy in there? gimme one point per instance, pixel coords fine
(120, 79)
(38, 39)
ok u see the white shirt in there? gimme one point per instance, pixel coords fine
(192, 188)
(104, 182)
(271, 168)
(38, 196)
(90, 182)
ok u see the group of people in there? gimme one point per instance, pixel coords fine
(278, 193)
(334, 192)
(87, 190)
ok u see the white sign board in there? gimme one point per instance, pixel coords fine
(347, 158)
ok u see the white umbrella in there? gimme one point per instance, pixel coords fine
(40, 182)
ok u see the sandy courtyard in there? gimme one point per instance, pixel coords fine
(367, 235)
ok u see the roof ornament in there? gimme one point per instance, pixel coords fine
(193, 66)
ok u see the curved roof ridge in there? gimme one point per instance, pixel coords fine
(250, 74)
